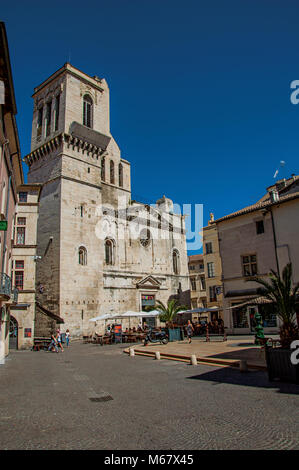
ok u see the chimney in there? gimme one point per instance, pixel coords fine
(274, 195)
(211, 221)
(280, 184)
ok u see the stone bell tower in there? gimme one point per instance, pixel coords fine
(78, 162)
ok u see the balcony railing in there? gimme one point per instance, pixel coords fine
(14, 295)
(5, 286)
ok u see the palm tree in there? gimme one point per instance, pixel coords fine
(168, 311)
(279, 290)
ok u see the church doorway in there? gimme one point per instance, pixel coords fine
(147, 303)
(13, 333)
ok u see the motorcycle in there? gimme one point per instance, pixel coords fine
(160, 337)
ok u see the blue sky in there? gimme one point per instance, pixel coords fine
(200, 90)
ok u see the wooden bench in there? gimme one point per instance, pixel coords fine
(216, 335)
(97, 339)
(275, 342)
(106, 340)
(264, 342)
(87, 339)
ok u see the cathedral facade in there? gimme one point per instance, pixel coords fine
(98, 250)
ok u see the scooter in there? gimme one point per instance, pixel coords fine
(160, 337)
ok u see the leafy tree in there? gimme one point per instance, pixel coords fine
(283, 296)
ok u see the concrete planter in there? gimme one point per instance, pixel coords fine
(174, 334)
(279, 365)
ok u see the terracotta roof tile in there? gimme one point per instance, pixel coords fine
(259, 205)
(195, 258)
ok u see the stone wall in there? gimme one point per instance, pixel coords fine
(44, 325)
(72, 204)
(48, 242)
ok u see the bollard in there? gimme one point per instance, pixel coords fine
(207, 334)
(132, 352)
(157, 355)
(193, 360)
(243, 366)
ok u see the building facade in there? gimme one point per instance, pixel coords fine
(24, 259)
(213, 269)
(197, 281)
(11, 176)
(253, 241)
(101, 252)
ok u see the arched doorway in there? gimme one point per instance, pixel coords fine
(13, 333)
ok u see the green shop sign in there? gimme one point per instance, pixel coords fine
(3, 225)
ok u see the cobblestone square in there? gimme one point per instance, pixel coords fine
(93, 397)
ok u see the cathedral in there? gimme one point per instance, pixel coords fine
(98, 250)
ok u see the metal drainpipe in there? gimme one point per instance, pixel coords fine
(275, 244)
(6, 214)
(222, 278)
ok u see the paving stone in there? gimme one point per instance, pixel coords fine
(156, 404)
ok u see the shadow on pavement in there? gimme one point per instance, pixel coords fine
(248, 379)
(251, 355)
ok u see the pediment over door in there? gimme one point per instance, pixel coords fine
(149, 282)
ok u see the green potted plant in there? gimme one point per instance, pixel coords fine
(167, 315)
(283, 295)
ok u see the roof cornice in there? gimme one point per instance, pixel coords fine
(68, 68)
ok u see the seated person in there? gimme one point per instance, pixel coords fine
(96, 336)
(108, 330)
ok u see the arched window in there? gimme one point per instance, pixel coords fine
(112, 179)
(87, 111)
(176, 261)
(109, 251)
(103, 169)
(120, 175)
(82, 256)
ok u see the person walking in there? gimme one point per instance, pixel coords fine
(190, 330)
(53, 344)
(58, 337)
(67, 337)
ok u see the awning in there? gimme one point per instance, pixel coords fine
(257, 301)
(241, 293)
(101, 317)
(128, 314)
(200, 310)
(19, 306)
(152, 313)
